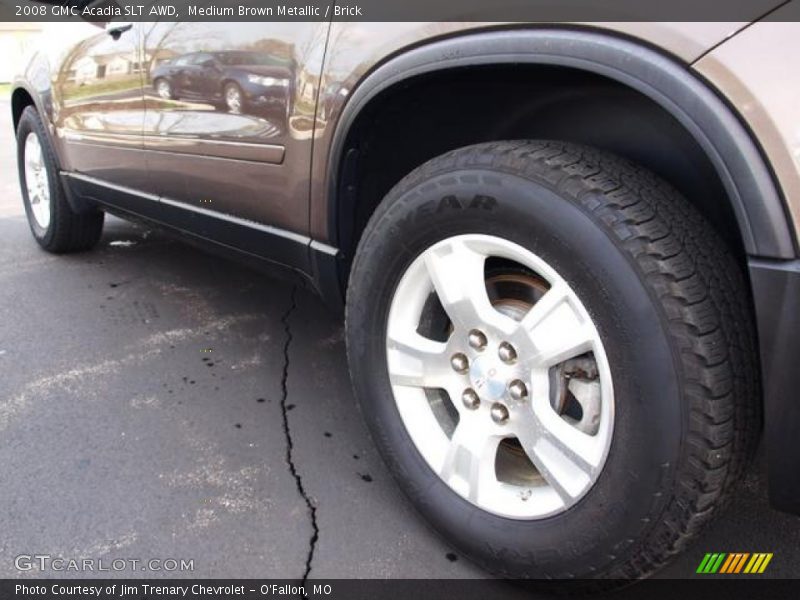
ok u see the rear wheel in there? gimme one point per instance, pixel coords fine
(554, 353)
(56, 227)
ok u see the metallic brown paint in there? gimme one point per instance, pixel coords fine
(269, 166)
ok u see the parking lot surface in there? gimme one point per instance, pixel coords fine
(159, 402)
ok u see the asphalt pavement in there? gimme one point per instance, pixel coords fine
(159, 402)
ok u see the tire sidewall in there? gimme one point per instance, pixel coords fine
(650, 420)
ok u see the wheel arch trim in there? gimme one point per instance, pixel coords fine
(755, 196)
(17, 88)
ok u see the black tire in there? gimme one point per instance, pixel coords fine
(670, 305)
(67, 230)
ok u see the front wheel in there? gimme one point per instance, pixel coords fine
(554, 354)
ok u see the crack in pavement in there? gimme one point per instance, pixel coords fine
(312, 509)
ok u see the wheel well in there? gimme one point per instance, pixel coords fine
(412, 122)
(19, 100)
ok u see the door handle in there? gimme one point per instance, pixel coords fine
(117, 30)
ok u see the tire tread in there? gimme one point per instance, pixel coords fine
(701, 290)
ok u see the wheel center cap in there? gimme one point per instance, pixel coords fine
(489, 377)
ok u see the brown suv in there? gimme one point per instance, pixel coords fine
(567, 254)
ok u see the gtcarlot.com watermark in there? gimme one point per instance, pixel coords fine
(45, 563)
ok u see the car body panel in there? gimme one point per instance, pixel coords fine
(96, 102)
(202, 76)
(252, 163)
(107, 124)
(776, 295)
(252, 166)
(750, 188)
(356, 49)
(753, 71)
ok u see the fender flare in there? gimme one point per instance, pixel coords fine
(755, 197)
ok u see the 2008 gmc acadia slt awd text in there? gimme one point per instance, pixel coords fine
(567, 255)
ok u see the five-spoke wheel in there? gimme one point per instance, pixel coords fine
(554, 355)
(519, 386)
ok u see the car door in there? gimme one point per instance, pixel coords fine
(99, 103)
(251, 163)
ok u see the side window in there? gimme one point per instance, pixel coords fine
(182, 61)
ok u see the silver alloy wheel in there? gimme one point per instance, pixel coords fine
(163, 89)
(505, 393)
(233, 98)
(36, 180)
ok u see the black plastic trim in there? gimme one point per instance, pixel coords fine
(79, 204)
(230, 235)
(325, 269)
(755, 198)
(776, 292)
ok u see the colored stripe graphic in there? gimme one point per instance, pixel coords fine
(758, 563)
(734, 563)
(752, 564)
(731, 560)
(711, 563)
(765, 563)
(715, 567)
(738, 562)
(703, 563)
(741, 562)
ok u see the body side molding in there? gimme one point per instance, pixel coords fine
(231, 235)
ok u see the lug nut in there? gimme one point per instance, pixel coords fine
(518, 390)
(470, 399)
(499, 413)
(507, 353)
(477, 339)
(459, 362)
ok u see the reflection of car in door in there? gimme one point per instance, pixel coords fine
(166, 76)
(100, 105)
(238, 80)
